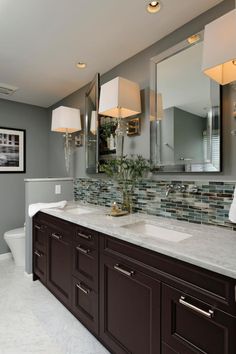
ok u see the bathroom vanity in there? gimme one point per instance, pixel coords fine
(139, 296)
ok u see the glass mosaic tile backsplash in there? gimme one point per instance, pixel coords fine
(202, 202)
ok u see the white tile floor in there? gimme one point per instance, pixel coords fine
(33, 321)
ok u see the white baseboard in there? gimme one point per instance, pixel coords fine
(5, 256)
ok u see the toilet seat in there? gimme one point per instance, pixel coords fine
(15, 233)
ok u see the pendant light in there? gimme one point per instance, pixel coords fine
(219, 49)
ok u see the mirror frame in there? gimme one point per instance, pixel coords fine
(94, 83)
(155, 133)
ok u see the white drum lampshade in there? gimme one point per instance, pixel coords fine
(66, 120)
(219, 49)
(120, 98)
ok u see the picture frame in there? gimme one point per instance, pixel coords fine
(12, 150)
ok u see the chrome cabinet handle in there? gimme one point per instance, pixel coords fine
(37, 227)
(37, 253)
(56, 236)
(123, 271)
(86, 291)
(86, 237)
(83, 250)
(208, 314)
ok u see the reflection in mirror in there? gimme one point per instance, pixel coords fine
(185, 113)
(92, 126)
(107, 139)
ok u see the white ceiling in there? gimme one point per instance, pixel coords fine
(41, 40)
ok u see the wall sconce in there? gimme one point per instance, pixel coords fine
(67, 120)
(120, 98)
(219, 50)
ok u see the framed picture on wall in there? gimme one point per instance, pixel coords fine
(12, 150)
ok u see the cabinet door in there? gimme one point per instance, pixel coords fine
(59, 266)
(130, 308)
(190, 326)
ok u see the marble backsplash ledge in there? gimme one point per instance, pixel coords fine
(209, 205)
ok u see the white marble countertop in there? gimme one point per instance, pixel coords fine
(209, 247)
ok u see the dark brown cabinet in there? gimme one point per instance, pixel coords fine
(130, 308)
(134, 300)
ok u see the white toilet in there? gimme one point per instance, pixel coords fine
(15, 240)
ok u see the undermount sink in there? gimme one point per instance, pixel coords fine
(150, 231)
(79, 210)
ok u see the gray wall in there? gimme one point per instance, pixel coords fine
(12, 190)
(137, 69)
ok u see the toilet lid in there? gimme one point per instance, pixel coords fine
(16, 233)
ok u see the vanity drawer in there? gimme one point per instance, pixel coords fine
(59, 226)
(85, 304)
(39, 235)
(191, 326)
(211, 287)
(85, 263)
(86, 236)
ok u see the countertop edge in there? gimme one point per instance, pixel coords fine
(158, 249)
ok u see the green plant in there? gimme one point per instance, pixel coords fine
(107, 128)
(126, 171)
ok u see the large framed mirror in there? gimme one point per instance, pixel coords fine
(92, 126)
(185, 111)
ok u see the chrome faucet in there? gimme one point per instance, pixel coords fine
(169, 189)
(181, 188)
(175, 188)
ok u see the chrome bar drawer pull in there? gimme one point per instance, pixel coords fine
(86, 291)
(37, 227)
(56, 236)
(208, 314)
(37, 253)
(123, 271)
(86, 237)
(82, 250)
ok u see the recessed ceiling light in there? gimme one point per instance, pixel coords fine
(154, 7)
(194, 38)
(81, 65)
